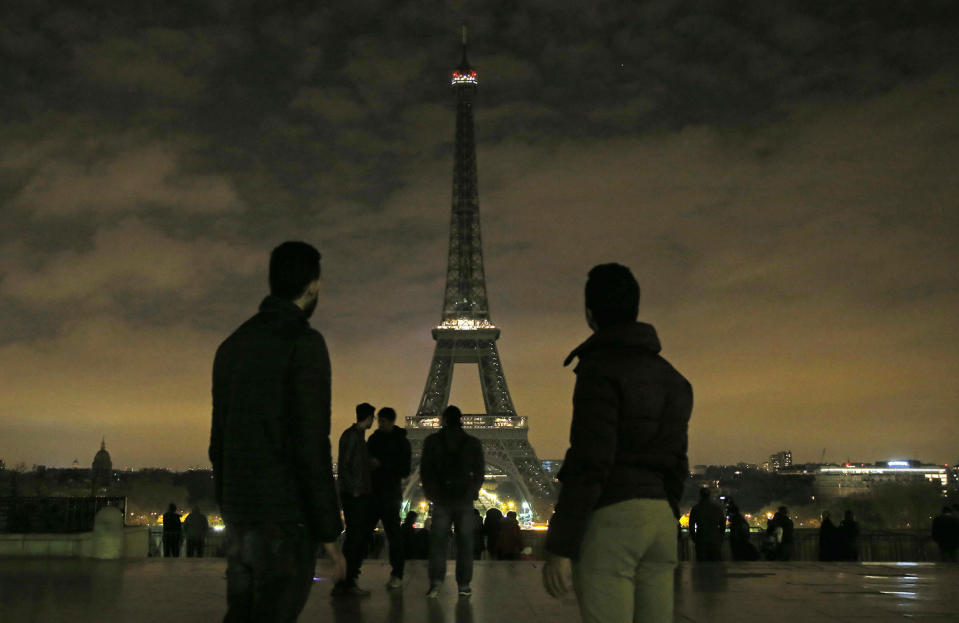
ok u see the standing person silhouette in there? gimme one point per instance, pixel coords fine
(195, 526)
(391, 455)
(172, 532)
(452, 468)
(707, 525)
(270, 446)
(354, 470)
(614, 532)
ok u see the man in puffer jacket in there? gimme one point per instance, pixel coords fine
(613, 535)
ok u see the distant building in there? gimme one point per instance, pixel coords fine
(858, 478)
(102, 474)
(780, 461)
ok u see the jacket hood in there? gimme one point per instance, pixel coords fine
(634, 334)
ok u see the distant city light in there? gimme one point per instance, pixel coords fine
(466, 324)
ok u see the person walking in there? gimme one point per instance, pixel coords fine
(614, 533)
(849, 537)
(945, 532)
(707, 525)
(452, 469)
(172, 532)
(195, 527)
(356, 494)
(390, 454)
(270, 447)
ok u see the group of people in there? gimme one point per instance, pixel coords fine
(708, 523)
(194, 528)
(622, 477)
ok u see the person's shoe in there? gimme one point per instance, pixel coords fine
(394, 583)
(434, 591)
(465, 591)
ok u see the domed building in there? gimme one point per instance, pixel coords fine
(102, 474)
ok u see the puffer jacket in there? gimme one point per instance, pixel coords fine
(270, 434)
(628, 437)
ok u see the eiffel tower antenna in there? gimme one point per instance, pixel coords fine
(466, 333)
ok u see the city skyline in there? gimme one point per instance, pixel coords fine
(780, 181)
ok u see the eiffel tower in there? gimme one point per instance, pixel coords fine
(467, 335)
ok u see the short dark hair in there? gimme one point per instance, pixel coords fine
(704, 493)
(612, 294)
(451, 417)
(364, 410)
(388, 413)
(293, 266)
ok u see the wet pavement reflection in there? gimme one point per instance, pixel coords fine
(54, 590)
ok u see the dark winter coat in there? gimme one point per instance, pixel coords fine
(269, 441)
(353, 463)
(172, 522)
(707, 523)
(628, 438)
(452, 467)
(392, 450)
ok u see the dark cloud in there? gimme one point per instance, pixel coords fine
(777, 174)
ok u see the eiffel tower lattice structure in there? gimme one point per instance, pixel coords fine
(467, 335)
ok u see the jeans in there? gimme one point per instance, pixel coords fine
(356, 512)
(387, 510)
(626, 562)
(269, 571)
(461, 517)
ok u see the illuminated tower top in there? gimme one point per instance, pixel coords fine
(464, 303)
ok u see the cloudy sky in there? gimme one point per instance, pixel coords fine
(780, 176)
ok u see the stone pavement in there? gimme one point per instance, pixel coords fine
(186, 590)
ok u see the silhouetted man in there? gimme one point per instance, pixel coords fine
(707, 524)
(452, 469)
(195, 527)
(849, 537)
(828, 539)
(945, 532)
(739, 544)
(354, 469)
(779, 534)
(270, 446)
(614, 530)
(172, 532)
(390, 453)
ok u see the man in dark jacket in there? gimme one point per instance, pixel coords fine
(945, 532)
(354, 469)
(390, 453)
(707, 525)
(270, 447)
(172, 532)
(624, 472)
(195, 526)
(452, 469)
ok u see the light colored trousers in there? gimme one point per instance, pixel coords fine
(625, 568)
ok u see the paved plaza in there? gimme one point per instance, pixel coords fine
(186, 590)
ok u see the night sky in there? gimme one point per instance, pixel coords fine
(780, 176)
